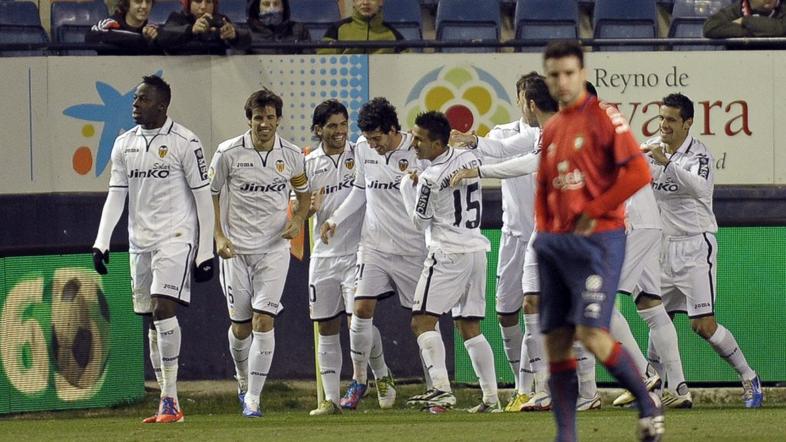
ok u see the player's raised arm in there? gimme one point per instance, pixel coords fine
(113, 208)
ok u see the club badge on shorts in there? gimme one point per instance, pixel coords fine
(162, 150)
(349, 163)
(403, 164)
(280, 166)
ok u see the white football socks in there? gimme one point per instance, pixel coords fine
(620, 332)
(376, 358)
(330, 365)
(169, 347)
(239, 349)
(432, 350)
(259, 359)
(526, 375)
(663, 336)
(511, 341)
(535, 346)
(585, 370)
(361, 339)
(723, 342)
(155, 356)
(483, 363)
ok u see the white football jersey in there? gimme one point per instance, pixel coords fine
(683, 189)
(518, 194)
(452, 216)
(160, 168)
(333, 176)
(386, 227)
(254, 188)
(642, 210)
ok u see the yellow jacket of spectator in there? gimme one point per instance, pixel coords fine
(357, 27)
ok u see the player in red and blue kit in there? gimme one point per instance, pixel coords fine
(589, 166)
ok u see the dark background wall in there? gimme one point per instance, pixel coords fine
(61, 223)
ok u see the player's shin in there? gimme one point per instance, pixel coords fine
(483, 363)
(330, 365)
(585, 369)
(432, 350)
(511, 341)
(360, 341)
(169, 347)
(155, 356)
(620, 331)
(664, 337)
(259, 360)
(564, 392)
(376, 359)
(239, 349)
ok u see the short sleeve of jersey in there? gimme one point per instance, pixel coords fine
(360, 166)
(624, 145)
(195, 164)
(424, 207)
(219, 170)
(118, 176)
(299, 180)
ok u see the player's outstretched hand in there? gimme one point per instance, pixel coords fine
(585, 225)
(225, 247)
(659, 155)
(204, 270)
(292, 228)
(461, 139)
(413, 175)
(463, 174)
(100, 258)
(326, 231)
(316, 201)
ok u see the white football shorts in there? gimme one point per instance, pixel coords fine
(454, 282)
(331, 284)
(254, 283)
(510, 266)
(688, 281)
(640, 273)
(383, 274)
(163, 272)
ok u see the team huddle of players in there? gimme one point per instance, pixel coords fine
(398, 213)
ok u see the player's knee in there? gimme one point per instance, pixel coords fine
(530, 304)
(262, 322)
(163, 308)
(329, 328)
(645, 302)
(509, 319)
(422, 323)
(364, 308)
(468, 328)
(704, 327)
(241, 330)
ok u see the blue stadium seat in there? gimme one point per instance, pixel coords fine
(626, 19)
(687, 20)
(235, 10)
(162, 9)
(20, 23)
(404, 15)
(71, 20)
(317, 15)
(546, 19)
(477, 20)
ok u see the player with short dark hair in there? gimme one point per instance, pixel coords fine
(160, 166)
(683, 181)
(589, 166)
(252, 176)
(454, 275)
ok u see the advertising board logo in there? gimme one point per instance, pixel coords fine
(470, 97)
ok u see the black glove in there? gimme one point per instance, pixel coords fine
(204, 271)
(99, 259)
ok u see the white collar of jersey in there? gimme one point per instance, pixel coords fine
(249, 144)
(165, 129)
(443, 157)
(406, 141)
(685, 144)
(523, 125)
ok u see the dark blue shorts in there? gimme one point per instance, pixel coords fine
(579, 276)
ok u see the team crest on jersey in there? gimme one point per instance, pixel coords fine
(162, 150)
(280, 166)
(403, 164)
(349, 163)
(578, 143)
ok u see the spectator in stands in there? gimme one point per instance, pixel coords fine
(268, 20)
(127, 30)
(748, 18)
(366, 23)
(200, 29)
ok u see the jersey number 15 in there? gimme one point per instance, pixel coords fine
(473, 220)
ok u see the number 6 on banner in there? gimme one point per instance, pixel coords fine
(25, 354)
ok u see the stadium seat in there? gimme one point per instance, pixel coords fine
(625, 19)
(235, 10)
(71, 20)
(317, 15)
(162, 9)
(546, 19)
(687, 20)
(404, 15)
(477, 20)
(20, 23)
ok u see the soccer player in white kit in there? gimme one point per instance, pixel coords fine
(683, 176)
(252, 176)
(160, 166)
(640, 279)
(392, 250)
(538, 108)
(453, 278)
(331, 174)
